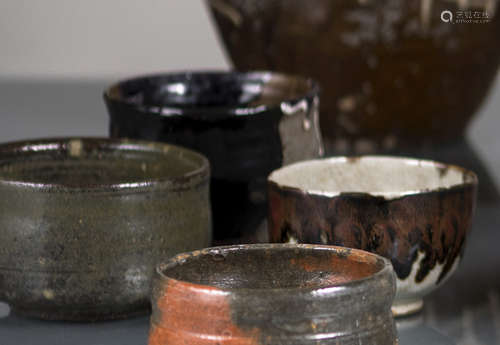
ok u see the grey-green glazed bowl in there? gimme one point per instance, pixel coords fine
(84, 220)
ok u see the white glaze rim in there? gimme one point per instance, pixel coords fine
(442, 176)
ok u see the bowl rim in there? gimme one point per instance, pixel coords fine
(384, 272)
(216, 113)
(191, 178)
(471, 177)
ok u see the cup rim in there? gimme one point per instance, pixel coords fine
(386, 270)
(205, 113)
(11, 151)
(469, 177)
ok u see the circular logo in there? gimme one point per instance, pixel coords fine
(446, 16)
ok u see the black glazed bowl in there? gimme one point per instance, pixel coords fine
(247, 124)
(83, 222)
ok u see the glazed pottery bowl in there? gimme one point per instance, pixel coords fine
(273, 294)
(247, 124)
(415, 213)
(83, 222)
(394, 74)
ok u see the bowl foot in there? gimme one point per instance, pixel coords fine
(407, 307)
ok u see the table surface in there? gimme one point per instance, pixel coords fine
(466, 309)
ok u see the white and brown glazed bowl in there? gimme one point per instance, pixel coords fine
(267, 294)
(416, 213)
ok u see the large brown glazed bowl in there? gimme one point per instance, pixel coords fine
(415, 213)
(83, 222)
(273, 294)
(393, 73)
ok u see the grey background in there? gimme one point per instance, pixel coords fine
(57, 56)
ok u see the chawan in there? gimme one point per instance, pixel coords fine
(415, 213)
(247, 124)
(273, 294)
(83, 222)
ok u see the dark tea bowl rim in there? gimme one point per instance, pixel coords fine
(469, 178)
(9, 151)
(206, 113)
(384, 272)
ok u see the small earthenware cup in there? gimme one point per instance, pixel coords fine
(414, 212)
(83, 222)
(247, 124)
(273, 294)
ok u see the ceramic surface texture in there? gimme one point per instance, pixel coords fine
(394, 74)
(83, 222)
(416, 213)
(247, 124)
(273, 294)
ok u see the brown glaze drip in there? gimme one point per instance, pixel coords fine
(433, 223)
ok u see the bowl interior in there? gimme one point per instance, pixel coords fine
(275, 268)
(375, 175)
(211, 90)
(93, 162)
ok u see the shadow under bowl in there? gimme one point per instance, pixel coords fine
(273, 293)
(247, 124)
(83, 222)
(414, 212)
